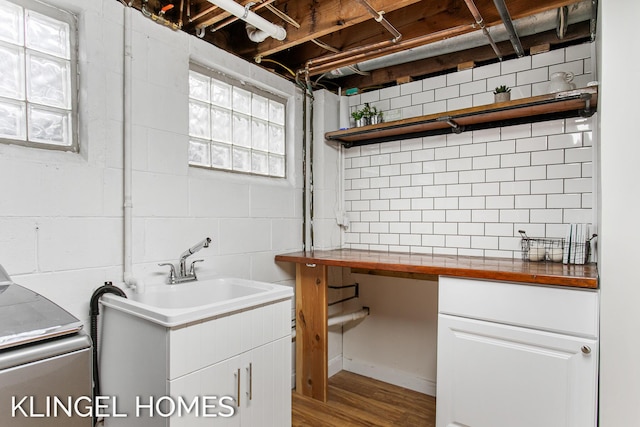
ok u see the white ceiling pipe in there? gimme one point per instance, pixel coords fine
(256, 34)
(271, 29)
(526, 26)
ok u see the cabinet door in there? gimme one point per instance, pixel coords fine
(208, 386)
(495, 375)
(266, 389)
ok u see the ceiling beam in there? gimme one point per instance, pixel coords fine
(317, 19)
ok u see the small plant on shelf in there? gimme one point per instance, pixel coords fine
(502, 93)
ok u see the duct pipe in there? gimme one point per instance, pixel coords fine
(508, 24)
(272, 30)
(526, 26)
(349, 57)
(480, 21)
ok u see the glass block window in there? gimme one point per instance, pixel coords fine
(37, 70)
(234, 127)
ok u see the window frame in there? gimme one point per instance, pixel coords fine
(70, 19)
(254, 89)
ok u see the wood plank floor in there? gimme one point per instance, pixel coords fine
(357, 401)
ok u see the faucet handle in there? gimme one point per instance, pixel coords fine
(172, 272)
(192, 270)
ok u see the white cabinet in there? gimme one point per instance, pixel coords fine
(237, 364)
(516, 355)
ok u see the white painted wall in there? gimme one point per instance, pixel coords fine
(61, 213)
(619, 72)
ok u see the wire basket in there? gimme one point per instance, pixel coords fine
(555, 249)
(541, 249)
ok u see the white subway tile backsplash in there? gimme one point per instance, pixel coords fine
(469, 193)
(503, 174)
(547, 128)
(576, 67)
(578, 185)
(501, 147)
(472, 176)
(531, 144)
(486, 71)
(447, 92)
(483, 98)
(548, 157)
(434, 82)
(400, 181)
(475, 202)
(505, 79)
(411, 144)
(486, 162)
(583, 154)
(548, 186)
(532, 76)
(473, 150)
(459, 164)
(534, 201)
(472, 88)
(515, 160)
(459, 103)
(515, 132)
(564, 171)
(552, 57)
(555, 201)
(516, 65)
(422, 97)
(400, 102)
(390, 92)
(458, 190)
(515, 187)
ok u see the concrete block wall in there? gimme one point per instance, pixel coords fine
(470, 193)
(61, 226)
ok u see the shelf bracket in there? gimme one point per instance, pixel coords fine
(356, 294)
(455, 127)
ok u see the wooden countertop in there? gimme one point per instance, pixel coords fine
(543, 273)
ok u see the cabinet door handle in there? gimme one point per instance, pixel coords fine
(238, 381)
(250, 381)
(585, 349)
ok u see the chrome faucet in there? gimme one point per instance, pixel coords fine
(182, 274)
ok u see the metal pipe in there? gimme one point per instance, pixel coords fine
(378, 16)
(508, 24)
(544, 21)
(349, 57)
(480, 21)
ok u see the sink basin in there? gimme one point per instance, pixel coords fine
(173, 305)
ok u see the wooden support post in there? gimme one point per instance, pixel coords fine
(311, 331)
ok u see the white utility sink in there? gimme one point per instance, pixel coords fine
(173, 305)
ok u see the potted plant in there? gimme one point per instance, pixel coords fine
(357, 116)
(502, 93)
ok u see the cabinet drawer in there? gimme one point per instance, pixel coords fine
(556, 309)
(200, 344)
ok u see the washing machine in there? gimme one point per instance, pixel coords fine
(45, 362)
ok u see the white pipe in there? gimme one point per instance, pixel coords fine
(349, 317)
(343, 318)
(273, 30)
(255, 34)
(127, 167)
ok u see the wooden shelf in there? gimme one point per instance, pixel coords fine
(561, 105)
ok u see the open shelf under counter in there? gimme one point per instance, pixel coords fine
(561, 105)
